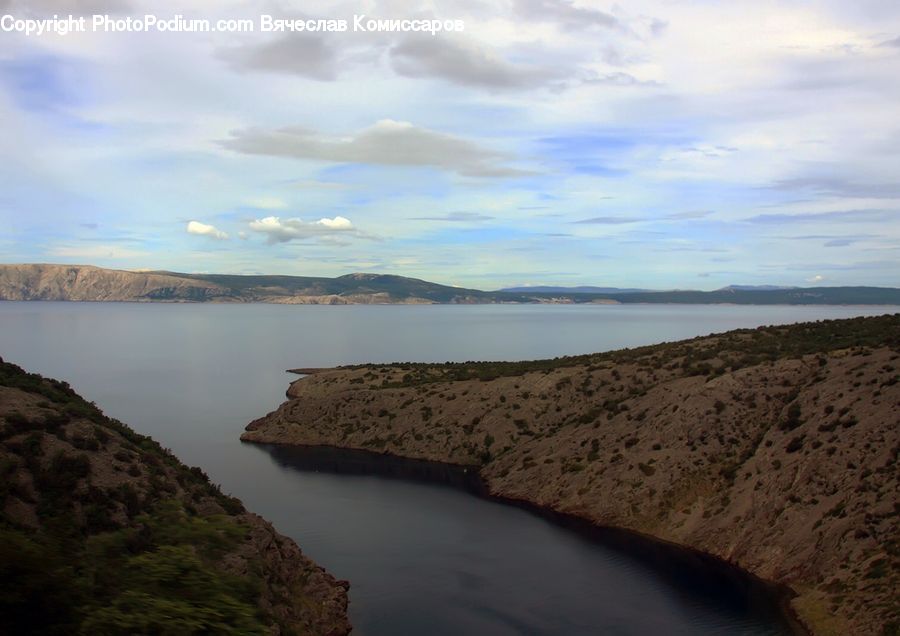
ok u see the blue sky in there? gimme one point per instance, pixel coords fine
(656, 144)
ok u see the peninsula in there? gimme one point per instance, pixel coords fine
(774, 449)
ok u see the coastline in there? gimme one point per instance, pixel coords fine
(772, 449)
(429, 303)
(666, 557)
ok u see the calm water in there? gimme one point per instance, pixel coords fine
(422, 558)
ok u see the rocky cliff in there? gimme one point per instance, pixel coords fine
(104, 532)
(87, 283)
(774, 449)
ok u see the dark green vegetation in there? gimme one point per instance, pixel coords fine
(744, 347)
(397, 287)
(102, 531)
(401, 288)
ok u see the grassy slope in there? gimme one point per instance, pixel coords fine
(774, 448)
(102, 531)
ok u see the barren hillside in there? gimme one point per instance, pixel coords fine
(775, 449)
(87, 283)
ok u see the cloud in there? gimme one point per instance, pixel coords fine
(307, 55)
(455, 217)
(854, 216)
(282, 231)
(566, 14)
(387, 143)
(266, 203)
(833, 240)
(618, 78)
(818, 278)
(468, 65)
(839, 187)
(202, 229)
(892, 43)
(687, 216)
(608, 220)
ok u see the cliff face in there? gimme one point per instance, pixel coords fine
(87, 283)
(775, 449)
(103, 531)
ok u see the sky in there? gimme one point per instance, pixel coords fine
(658, 144)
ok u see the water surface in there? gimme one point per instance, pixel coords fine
(422, 558)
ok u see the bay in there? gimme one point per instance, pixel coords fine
(421, 557)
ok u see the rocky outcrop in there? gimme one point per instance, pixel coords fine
(87, 283)
(774, 449)
(113, 534)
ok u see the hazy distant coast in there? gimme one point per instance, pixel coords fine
(774, 449)
(88, 283)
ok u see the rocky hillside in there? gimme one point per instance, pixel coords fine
(104, 532)
(86, 283)
(775, 449)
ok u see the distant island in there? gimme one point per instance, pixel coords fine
(102, 531)
(88, 283)
(774, 449)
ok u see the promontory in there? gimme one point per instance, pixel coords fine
(774, 449)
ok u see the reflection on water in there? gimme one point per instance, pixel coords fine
(629, 575)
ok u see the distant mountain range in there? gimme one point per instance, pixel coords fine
(584, 289)
(755, 287)
(587, 289)
(88, 283)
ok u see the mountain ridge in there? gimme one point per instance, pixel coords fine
(88, 283)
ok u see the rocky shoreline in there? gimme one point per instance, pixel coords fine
(667, 558)
(774, 450)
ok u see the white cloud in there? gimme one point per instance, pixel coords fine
(280, 230)
(266, 203)
(388, 143)
(467, 64)
(311, 55)
(337, 223)
(202, 229)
